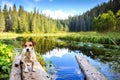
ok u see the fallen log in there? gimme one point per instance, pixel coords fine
(90, 72)
(16, 71)
(39, 73)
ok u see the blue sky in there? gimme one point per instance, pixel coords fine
(55, 8)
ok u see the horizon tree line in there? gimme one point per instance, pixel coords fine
(22, 21)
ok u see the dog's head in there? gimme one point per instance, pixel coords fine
(28, 46)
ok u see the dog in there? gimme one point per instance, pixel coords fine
(28, 55)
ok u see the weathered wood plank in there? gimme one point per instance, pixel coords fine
(90, 72)
(16, 71)
(39, 73)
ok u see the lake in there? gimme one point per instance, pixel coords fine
(61, 55)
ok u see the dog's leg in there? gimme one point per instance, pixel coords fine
(26, 68)
(33, 69)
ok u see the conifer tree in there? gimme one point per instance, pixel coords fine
(14, 19)
(6, 16)
(23, 20)
(2, 21)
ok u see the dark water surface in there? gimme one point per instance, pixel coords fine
(60, 57)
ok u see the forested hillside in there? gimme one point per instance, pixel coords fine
(84, 22)
(20, 21)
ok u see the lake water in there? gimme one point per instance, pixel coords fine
(61, 56)
(64, 64)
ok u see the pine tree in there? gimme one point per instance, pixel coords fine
(42, 23)
(23, 20)
(14, 19)
(2, 21)
(34, 22)
(6, 16)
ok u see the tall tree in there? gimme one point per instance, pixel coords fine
(23, 20)
(2, 21)
(14, 19)
(6, 16)
(34, 25)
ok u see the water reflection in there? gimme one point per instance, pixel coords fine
(56, 53)
(65, 61)
(66, 64)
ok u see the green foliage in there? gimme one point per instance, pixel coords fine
(118, 21)
(23, 25)
(6, 58)
(93, 37)
(105, 22)
(14, 16)
(2, 21)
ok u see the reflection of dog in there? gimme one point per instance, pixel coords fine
(28, 55)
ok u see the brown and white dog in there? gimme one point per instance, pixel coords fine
(28, 55)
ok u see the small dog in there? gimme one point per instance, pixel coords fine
(28, 55)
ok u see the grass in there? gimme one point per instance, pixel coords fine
(14, 35)
(94, 37)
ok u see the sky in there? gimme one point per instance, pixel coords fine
(56, 9)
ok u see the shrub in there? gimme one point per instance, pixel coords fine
(6, 58)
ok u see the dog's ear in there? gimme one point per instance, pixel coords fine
(23, 44)
(33, 43)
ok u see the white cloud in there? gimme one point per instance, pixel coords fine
(58, 14)
(9, 4)
(56, 52)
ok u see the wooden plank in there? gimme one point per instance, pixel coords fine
(16, 71)
(39, 73)
(90, 72)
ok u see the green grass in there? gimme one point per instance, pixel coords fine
(14, 35)
(94, 37)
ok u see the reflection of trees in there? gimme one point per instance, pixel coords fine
(44, 44)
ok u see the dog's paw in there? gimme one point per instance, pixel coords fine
(26, 70)
(33, 70)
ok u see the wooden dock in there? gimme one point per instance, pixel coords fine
(90, 72)
(18, 74)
